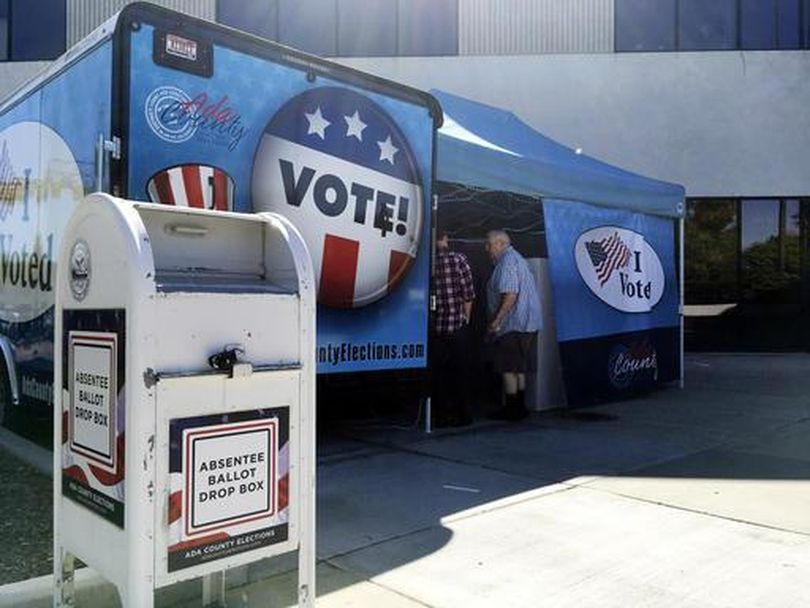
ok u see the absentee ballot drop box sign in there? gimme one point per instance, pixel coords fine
(184, 439)
(223, 500)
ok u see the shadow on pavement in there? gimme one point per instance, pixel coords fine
(740, 419)
(739, 431)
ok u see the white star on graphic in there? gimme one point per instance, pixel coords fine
(355, 126)
(387, 150)
(317, 123)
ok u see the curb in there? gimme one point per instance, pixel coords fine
(90, 590)
(31, 453)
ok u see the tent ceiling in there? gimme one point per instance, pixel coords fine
(491, 148)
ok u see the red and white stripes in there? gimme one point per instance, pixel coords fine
(197, 186)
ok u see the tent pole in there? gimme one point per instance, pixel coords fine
(681, 225)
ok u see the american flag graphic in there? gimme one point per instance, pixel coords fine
(607, 255)
(198, 186)
(335, 163)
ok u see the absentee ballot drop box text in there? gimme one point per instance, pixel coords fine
(185, 433)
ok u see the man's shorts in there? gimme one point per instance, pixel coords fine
(515, 352)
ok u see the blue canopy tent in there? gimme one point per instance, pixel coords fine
(491, 149)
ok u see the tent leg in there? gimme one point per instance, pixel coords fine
(428, 415)
(681, 225)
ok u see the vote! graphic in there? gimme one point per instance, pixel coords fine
(334, 163)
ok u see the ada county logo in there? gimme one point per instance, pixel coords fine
(636, 365)
(164, 114)
(334, 163)
(621, 268)
(176, 117)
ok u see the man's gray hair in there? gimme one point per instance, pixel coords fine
(499, 235)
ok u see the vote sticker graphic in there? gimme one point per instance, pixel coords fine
(621, 268)
(335, 163)
(38, 172)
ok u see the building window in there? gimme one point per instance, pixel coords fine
(309, 25)
(805, 20)
(706, 26)
(642, 25)
(711, 245)
(428, 27)
(746, 249)
(367, 28)
(259, 18)
(746, 274)
(350, 28)
(4, 30)
(789, 24)
(761, 270)
(758, 24)
(32, 30)
(770, 24)
(695, 25)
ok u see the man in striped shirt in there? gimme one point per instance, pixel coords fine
(453, 286)
(513, 304)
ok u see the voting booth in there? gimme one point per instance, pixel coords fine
(602, 243)
(184, 441)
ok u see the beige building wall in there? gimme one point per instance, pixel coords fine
(721, 123)
(528, 27)
(83, 16)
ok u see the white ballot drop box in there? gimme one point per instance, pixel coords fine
(184, 433)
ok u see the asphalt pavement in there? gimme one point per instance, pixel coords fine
(682, 498)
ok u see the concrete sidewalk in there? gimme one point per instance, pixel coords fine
(690, 498)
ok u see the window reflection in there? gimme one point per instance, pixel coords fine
(349, 28)
(707, 25)
(748, 274)
(792, 217)
(790, 255)
(650, 25)
(761, 272)
(758, 24)
(711, 251)
(789, 19)
(760, 222)
(4, 30)
(642, 25)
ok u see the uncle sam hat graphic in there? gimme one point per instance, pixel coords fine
(192, 185)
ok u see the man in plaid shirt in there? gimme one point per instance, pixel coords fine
(453, 286)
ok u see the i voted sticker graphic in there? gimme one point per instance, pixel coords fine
(335, 163)
(621, 268)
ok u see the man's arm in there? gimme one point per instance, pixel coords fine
(506, 304)
(508, 285)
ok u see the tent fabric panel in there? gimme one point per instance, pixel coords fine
(492, 148)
